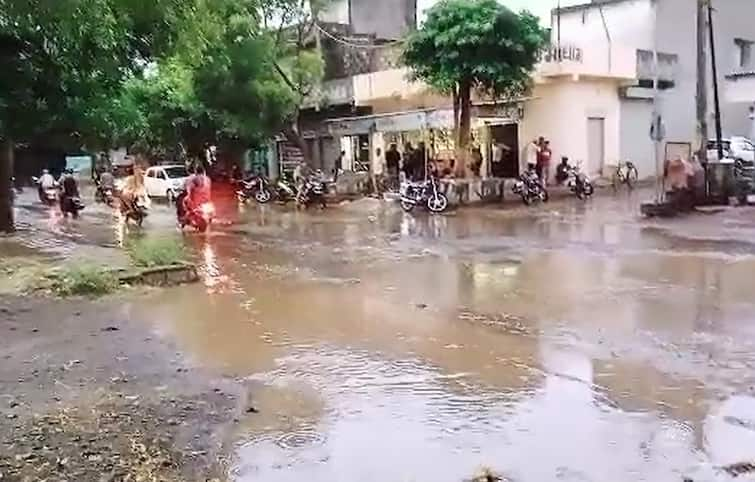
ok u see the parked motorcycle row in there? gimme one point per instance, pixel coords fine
(532, 190)
(310, 192)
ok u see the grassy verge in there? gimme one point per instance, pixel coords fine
(148, 253)
(86, 280)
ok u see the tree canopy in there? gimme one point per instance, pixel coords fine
(481, 45)
(147, 73)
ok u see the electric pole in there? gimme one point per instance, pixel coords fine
(717, 105)
(702, 83)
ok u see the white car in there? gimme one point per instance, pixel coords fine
(165, 181)
(737, 148)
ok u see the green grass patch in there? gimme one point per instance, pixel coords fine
(148, 253)
(84, 280)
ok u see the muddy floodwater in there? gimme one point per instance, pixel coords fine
(569, 342)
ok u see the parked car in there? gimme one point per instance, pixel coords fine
(737, 148)
(165, 181)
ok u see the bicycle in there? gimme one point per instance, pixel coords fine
(626, 173)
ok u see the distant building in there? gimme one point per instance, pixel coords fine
(592, 91)
(601, 27)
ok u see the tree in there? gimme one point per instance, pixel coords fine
(64, 60)
(474, 45)
(298, 58)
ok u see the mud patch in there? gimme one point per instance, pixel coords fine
(108, 442)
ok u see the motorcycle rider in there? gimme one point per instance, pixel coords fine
(45, 182)
(562, 170)
(70, 188)
(133, 190)
(107, 180)
(198, 190)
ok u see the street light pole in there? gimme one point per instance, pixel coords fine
(717, 105)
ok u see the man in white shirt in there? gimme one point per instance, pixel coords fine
(531, 152)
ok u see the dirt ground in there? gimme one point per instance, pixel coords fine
(90, 394)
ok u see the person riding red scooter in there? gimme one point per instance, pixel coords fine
(196, 195)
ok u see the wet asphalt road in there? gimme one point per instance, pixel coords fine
(572, 341)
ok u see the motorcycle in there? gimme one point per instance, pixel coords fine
(135, 210)
(71, 205)
(426, 193)
(312, 192)
(47, 196)
(257, 187)
(104, 195)
(579, 183)
(529, 187)
(285, 190)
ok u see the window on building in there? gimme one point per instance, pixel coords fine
(667, 67)
(744, 52)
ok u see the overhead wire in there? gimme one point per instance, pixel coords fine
(355, 45)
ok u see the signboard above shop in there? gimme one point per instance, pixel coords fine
(563, 52)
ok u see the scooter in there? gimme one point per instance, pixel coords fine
(47, 196)
(199, 217)
(425, 193)
(579, 183)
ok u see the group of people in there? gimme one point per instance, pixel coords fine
(538, 154)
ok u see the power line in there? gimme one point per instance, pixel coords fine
(355, 45)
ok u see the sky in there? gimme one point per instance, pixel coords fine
(541, 8)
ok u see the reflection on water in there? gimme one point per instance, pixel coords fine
(401, 348)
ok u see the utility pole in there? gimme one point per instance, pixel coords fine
(702, 84)
(717, 105)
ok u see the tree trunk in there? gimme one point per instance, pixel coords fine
(6, 186)
(465, 125)
(456, 115)
(292, 133)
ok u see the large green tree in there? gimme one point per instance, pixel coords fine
(474, 45)
(63, 62)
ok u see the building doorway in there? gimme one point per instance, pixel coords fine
(596, 143)
(504, 150)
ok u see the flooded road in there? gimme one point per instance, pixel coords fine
(571, 342)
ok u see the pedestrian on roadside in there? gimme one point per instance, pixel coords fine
(409, 160)
(392, 163)
(544, 161)
(476, 164)
(338, 165)
(531, 153)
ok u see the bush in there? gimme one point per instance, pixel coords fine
(149, 253)
(84, 280)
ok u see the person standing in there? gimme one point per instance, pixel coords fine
(338, 165)
(544, 161)
(530, 154)
(408, 160)
(392, 163)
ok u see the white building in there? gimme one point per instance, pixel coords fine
(592, 94)
(603, 26)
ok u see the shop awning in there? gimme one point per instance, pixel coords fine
(392, 122)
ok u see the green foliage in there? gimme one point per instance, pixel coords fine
(479, 42)
(63, 59)
(149, 253)
(86, 280)
(152, 73)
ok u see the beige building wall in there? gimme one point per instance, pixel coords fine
(560, 111)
